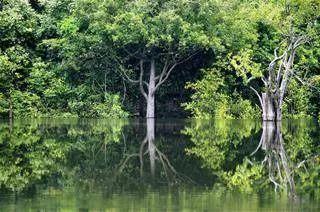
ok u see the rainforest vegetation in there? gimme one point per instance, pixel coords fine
(156, 58)
(72, 72)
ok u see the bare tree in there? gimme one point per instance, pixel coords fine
(155, 78)
(279, 73)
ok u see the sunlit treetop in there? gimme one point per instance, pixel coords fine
(154, 27)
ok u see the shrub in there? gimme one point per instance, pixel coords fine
(212, 100)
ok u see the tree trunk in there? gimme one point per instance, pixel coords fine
(268, 110)
(279, 113)
(151, 92)
(271, 109)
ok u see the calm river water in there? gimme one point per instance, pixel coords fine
(159, 165)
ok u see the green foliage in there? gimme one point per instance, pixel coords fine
(214, 141)
(3, 104)
(207, 102)
(244, 66)
(309, 181)
(31, 74)
(65, 57)
(211, 99)
(297, 102)
(227, 148)
(109, 107)
(20, 169)
(244, 177)
(242, 108)
(13, 61)
(26, 104)
(171, 25)
(35, 151)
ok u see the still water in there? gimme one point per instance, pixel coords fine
(162, 165)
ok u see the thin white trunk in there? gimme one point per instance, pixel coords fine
(155, 81)
(151, 92)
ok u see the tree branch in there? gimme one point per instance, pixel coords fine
(256, 92)
(274, 62)
(164, 70)
(305, 83)
(188, 58)
(165, 74)
(127, 77)
(124, 91)
(141, 80)
(132, 54)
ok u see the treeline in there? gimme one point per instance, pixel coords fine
(115, 58)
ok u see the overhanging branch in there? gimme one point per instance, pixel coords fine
(256, 92)
(165, 74)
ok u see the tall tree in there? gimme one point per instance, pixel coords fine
(279, 72)
(159, 36)
(17, 28)
(297, 25)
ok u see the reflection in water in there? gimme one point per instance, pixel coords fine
(27, 156)
(129, 165)
(286, 158)
(279, 167)
(148, 147)
(151, 147)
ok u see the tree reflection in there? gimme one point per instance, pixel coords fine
(285, 156)
(280, 168)
(112, 154)
(27, 156)
(155, 155)
(38, 151)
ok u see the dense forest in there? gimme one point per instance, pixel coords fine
(156, 58)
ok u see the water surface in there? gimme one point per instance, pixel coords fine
(162, 165)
